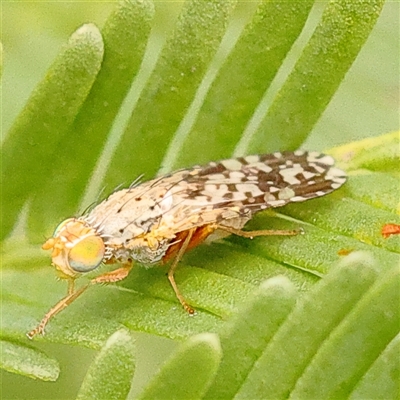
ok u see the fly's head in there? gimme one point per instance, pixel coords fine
(76, 248)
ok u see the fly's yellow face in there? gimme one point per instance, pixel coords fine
(76, 248)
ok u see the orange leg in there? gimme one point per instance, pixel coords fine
(172, 269)
(191, 238)
(109, 277)
(113, 276)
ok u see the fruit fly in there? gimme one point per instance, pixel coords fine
(159, 220)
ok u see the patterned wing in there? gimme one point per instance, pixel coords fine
(257, 182)
(219, 191)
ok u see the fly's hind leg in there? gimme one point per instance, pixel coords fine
(172, 269)
(108, 277)
(266, 232)
(238, 232)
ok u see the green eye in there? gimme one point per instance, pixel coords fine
(60, 226)
(87, 254)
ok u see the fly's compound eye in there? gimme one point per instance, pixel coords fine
(87, 254)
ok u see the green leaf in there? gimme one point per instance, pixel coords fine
(241, 82)
(225, 62)
(26, 296)
(123, 52)
(244, 337)
(28, 361)
(342, 360)
(319, 312)
(46, 119)
(1, 60)
(323, 347)
(350, 218)
(384, 196)
(382, 380)
(374, 154)
(316, 250)
(333, 47)
(170, 89)
(102, 381)
(203, 354)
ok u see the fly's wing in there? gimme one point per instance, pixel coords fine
(249, 184)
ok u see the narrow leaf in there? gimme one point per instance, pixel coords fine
(327, 57)
(28, 361)
(306, 328)
(125, 35)
(170, 89)
(242, 81)
(189, 371)
(382, 380)
(349, 217)
(378, 189)
(227, 259)
(247, 333)
(111, 373)
(315, 251)
(46, 119)
(91, 319)
(1, 60)
(356, 343)
(380, 153)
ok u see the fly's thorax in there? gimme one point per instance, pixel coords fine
(76, 247)
(130, 213)
(136, 223)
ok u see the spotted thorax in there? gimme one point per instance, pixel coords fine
(160, 220)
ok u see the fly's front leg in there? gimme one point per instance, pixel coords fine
(63, 303)
(108, 277)
(113, 276)
(266, 232)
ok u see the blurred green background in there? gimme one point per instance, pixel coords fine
(365, 105)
